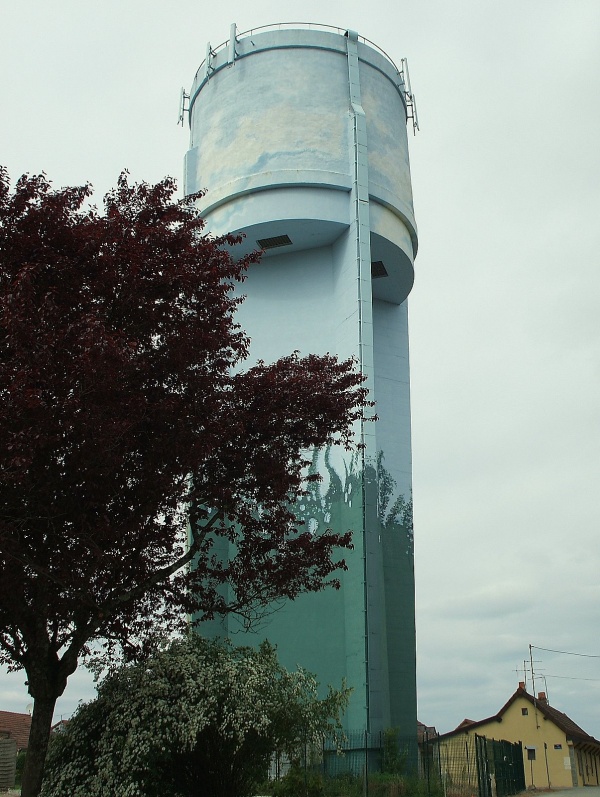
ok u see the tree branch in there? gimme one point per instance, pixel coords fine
(157, 577)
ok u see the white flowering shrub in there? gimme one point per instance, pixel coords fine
(200, 717)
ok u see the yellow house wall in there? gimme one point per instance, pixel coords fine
(532, 730)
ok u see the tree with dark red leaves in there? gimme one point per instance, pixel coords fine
(132, 438)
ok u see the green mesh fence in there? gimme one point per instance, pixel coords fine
(362, 752)
(388, 765)
(474, 766)
(361, 765)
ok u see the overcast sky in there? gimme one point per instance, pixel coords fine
(504, 315)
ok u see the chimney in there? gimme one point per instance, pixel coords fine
(542, 699)
(522, 685)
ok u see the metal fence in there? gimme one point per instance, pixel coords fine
(474, 766)
(363, 764)
(361, 752)
(387, 765)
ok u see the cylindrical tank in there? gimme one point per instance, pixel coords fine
(271, 144)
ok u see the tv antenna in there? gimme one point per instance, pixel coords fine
(537, 725)
(409, 97)
(184, 105)
(524, 670)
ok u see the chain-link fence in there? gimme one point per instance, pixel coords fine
(474, 766)
(387, 765)
(360, 764)
(362, 752)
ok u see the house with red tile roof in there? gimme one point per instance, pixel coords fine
(558, 753)
(15, 726)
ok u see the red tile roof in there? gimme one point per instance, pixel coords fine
(16, 726)
(562, 721)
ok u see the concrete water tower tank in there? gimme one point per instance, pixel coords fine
(298, 136)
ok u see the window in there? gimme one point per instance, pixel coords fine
(531, 753)
(558, 746)
(524, 711)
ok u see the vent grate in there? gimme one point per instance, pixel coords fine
(378, 270)
(275, 241)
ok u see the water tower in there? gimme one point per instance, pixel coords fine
(298, 135)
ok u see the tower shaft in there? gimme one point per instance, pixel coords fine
(298, 136)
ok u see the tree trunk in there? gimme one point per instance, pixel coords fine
(39, 736)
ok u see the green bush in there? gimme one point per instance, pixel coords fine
(344, 785)
(385, 784)
(394, 757)
(198, 717)
(20, 766)
(298, 782)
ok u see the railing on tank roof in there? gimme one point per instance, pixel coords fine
(301, 26)
(402, 73)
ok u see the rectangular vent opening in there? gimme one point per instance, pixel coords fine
(378, 269)
(275, 241)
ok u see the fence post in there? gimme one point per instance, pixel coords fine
(425, 754)
(305, 764)
(366, 769)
